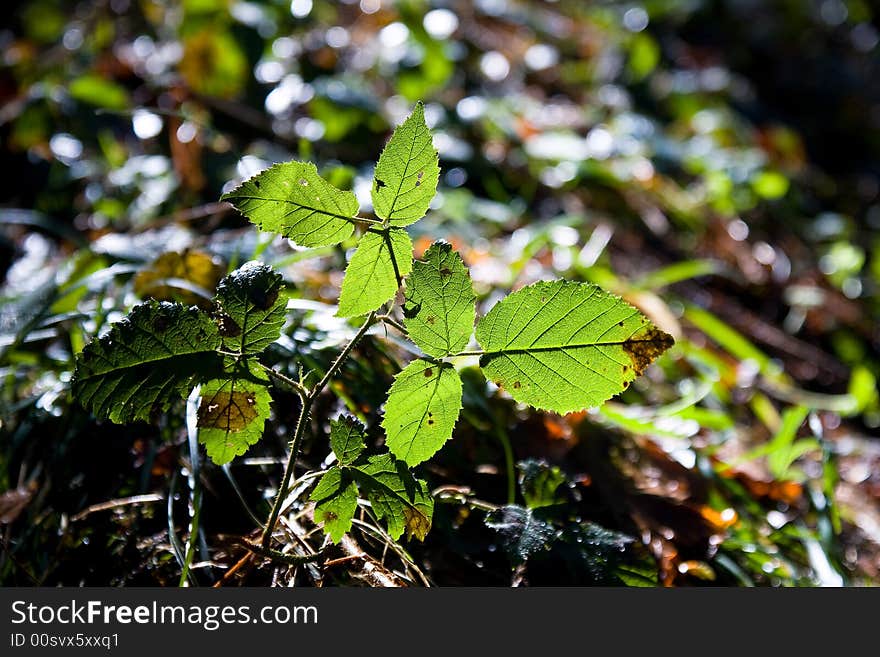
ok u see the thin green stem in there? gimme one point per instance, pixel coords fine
(300, 430)
(286, 381)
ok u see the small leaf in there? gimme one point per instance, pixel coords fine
(293, 200)
(539, 483)
(395, 495)
(596, 556)
(336, 496)
(522, 534)
(189, 277)
(347, 439)
(374, 273)
(233, 411)
(422, 409)
(407, 172)
(151, 358)
(251, 308)
(565, 346)
(439, 307)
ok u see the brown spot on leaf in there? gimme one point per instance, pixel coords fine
(303, 182)
(430, 421)
(227, 326)
(429, 373)
(517, 385)
(430, 319)
(643, 348)
(445, 271)
(230, 412)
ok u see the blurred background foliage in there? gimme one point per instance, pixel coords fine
(713, 161)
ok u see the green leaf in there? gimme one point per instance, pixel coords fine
(421, 411)
(151, 358)
(406, 175)
(565, 346)
(347, 439)
(522, 534)
(539, 483)
(250, 308)
(336, 496)
(373, 276)
(293, 200)
(233, 411)
(395, 495)
(439, 308)
(97, 90)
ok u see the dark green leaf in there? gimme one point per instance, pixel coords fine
(146, 361)
(251, 308)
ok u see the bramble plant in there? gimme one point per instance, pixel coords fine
(555, 345)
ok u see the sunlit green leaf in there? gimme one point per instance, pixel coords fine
(251, 308)
(293, 200)
(439, 307)
(374, 273)
(407, 173)
(97, 90)
(233, 411)
(336, 499)
(146, 361)
(347, 439)
(422, 409)
(395, 495)
(566, 346)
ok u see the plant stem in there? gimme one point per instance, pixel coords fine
(295, 386)
(300, 430)
(393, 323)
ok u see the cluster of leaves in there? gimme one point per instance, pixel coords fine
(660, 150)
(555, 345)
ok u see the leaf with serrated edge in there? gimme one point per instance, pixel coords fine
(233, 411)
(146, 361)
(406, 175)
(371, 277)
(251, 308)
(347, 439)
(395, 495)
(439, 307)
(422, 409)
(336, 499)
(293, 200)
(566, 346)
(522, 533)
